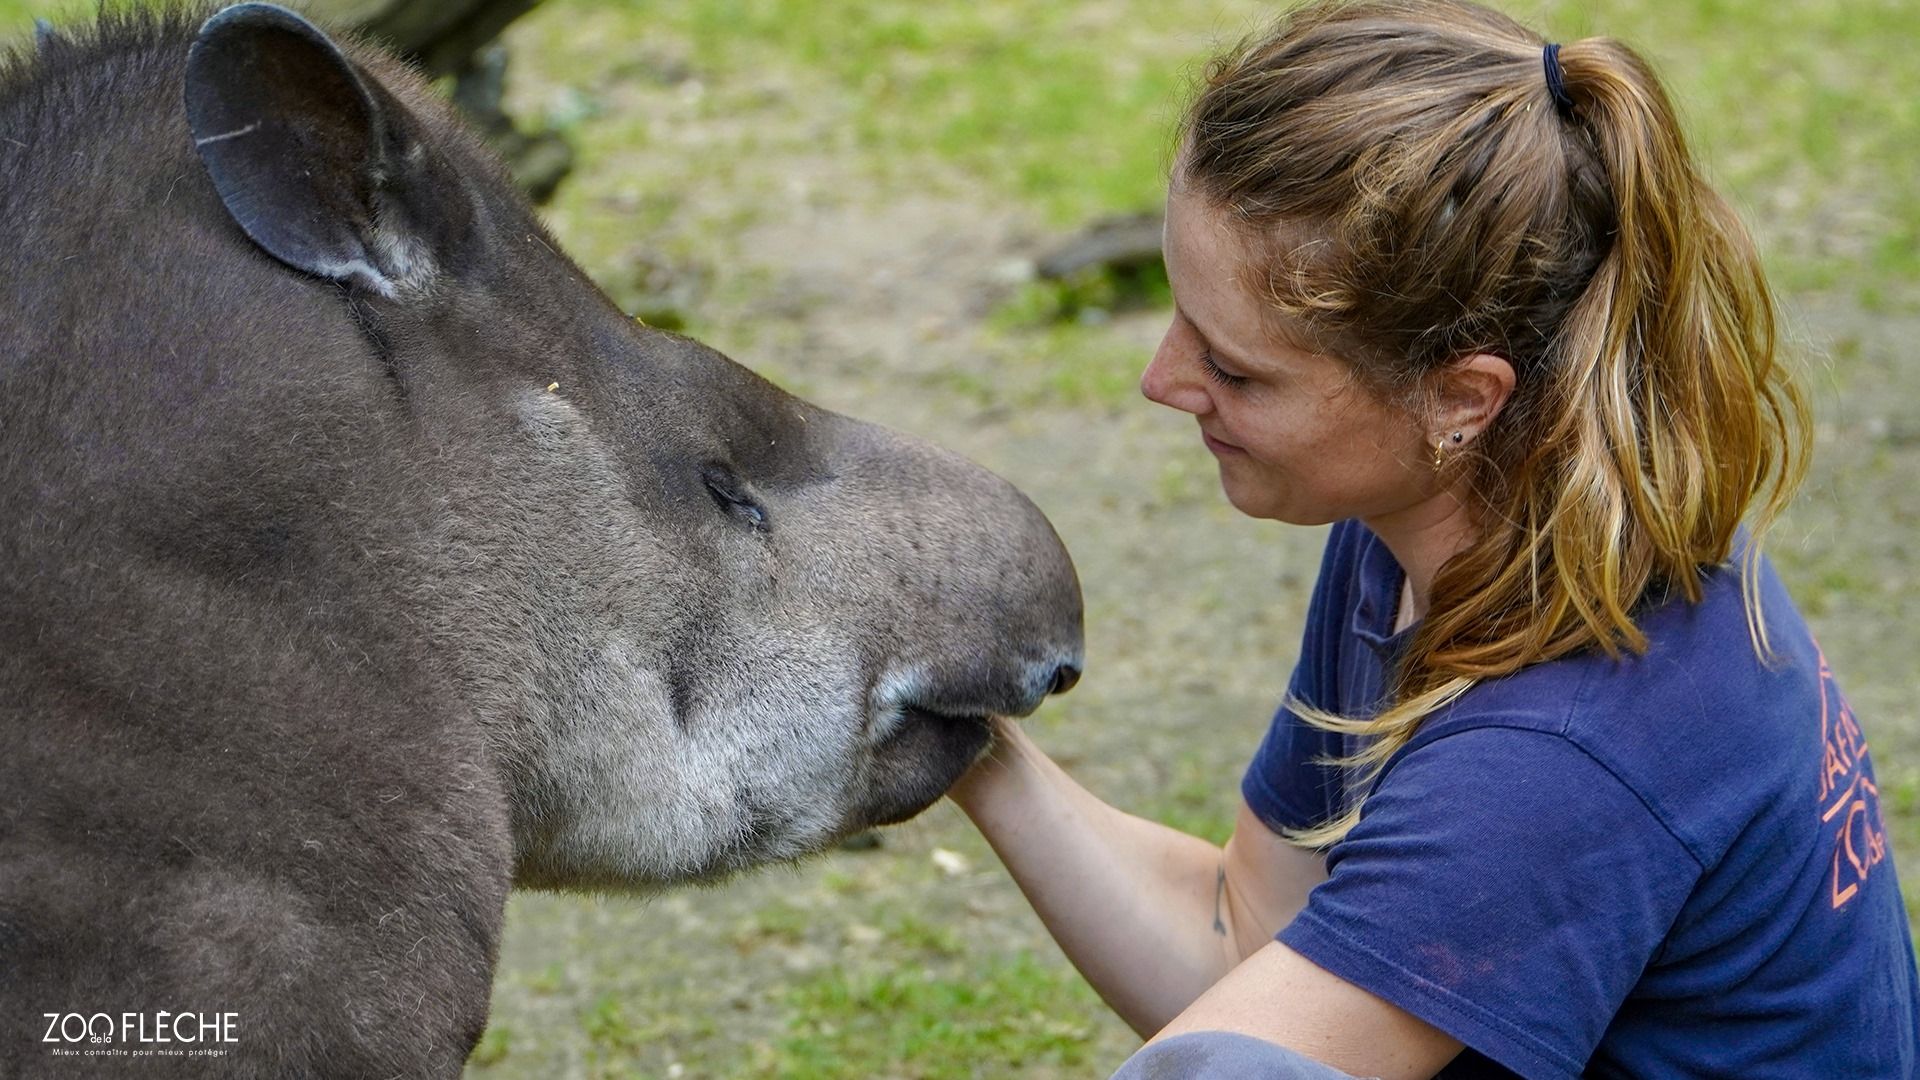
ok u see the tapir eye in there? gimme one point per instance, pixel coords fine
(731, 495)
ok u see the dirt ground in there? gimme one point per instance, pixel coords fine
(875, 298)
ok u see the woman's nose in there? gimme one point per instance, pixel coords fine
(1169, 380)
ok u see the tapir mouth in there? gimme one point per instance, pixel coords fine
(916, 764)
(954, 724)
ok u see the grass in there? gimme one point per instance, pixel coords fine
(918, 1003)
(494, 1047)
(1193, 798)
(619, 1027)
(1001, 88)
(1803, 111)
(998, 1016)
(16, 14)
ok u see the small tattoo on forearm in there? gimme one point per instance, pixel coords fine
(1219, 895)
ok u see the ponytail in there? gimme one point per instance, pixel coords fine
(1680, 413)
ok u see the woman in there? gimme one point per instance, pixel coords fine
(1562, 784)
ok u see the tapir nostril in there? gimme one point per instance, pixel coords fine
(1064, 677)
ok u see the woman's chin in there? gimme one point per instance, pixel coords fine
(1267, 503)
(1251, 499)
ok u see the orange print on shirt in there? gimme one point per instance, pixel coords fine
(1848, 800)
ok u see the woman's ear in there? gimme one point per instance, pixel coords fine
(1468, 394)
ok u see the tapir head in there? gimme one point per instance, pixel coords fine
(700, 622)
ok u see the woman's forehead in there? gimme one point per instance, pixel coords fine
(1207, 260)
(1213, 266)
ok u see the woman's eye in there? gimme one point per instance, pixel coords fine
(1218, 375)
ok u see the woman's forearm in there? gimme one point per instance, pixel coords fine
(1142, 910)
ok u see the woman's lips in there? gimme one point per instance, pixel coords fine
(1218, 447)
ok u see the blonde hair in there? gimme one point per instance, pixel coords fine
(1455, 207)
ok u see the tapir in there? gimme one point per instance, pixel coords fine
(360, 561)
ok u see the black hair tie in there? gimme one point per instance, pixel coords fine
(1556, 82)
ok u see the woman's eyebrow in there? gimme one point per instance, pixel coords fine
(1227, 354)
(1231, 356)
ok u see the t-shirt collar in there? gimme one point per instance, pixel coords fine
(1380, 581)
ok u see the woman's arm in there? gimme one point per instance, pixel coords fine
(1282, 997)
(1151, 916)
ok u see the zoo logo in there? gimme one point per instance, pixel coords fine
(161, 1027)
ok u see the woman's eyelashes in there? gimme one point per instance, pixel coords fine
(1218, 374)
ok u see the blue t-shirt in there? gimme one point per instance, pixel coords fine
(1667, 865)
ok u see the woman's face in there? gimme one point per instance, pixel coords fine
(1297, 437)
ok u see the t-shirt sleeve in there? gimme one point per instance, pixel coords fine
(1505, 887)
(1284, 785)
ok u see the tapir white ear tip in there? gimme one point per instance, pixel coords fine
(253, 11)
(361, 273)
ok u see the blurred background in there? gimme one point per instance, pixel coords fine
(929, 213)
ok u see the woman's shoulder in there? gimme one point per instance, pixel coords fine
(1705, 726)
(1703, 661)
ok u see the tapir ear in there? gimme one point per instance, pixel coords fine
(314, 160)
